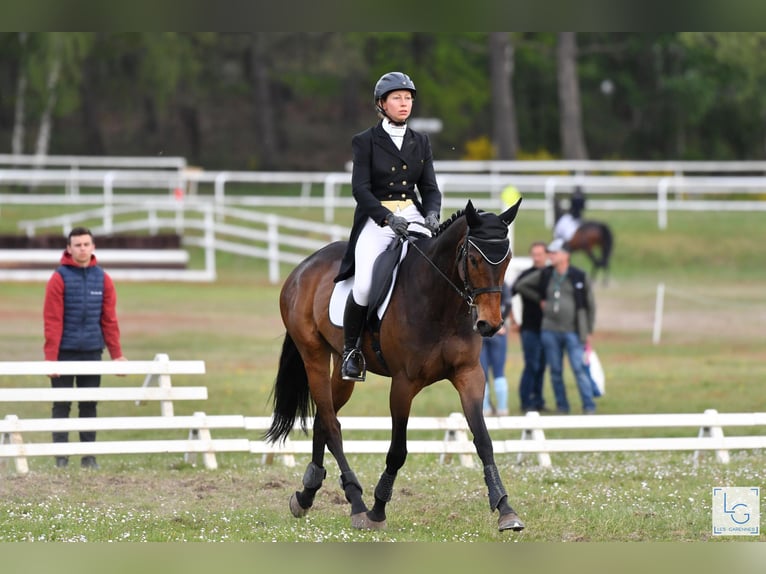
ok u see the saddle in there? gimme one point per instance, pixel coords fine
(384, 275)
(383, 279)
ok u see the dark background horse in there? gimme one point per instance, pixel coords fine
(446, 297)
(594, 238)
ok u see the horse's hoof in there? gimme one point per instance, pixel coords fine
(510, 521)
(361, 521)
(297, 510)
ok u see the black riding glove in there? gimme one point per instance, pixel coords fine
(432, 221)
(398, 224)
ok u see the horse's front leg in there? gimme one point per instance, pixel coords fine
(470, 387)
(400, 402)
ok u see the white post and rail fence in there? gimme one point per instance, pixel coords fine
(446, 436)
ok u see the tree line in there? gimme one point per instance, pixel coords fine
(292, 100)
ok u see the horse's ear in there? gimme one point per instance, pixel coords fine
(471, 216)
(509, 214)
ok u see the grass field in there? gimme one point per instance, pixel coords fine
(711, 355)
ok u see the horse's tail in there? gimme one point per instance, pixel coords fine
(290, 393)
(606, 247)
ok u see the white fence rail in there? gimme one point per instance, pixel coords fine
(14, 430)
(277, 239)
(674, 190)
(709, 427)
(453, 430)
(219, 219)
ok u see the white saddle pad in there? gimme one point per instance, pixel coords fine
(341, 290)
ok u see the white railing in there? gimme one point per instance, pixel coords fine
(276, 239)
(709, 426)
(662, 192)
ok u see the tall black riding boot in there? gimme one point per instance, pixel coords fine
(353, 366)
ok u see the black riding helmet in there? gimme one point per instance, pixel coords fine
(391, 82)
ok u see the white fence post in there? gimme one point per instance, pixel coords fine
(662, 203)
(219, 191)
(22, 467)
(457, 434)
(272, 229)
(536, 434)
(210, 265)
(108, 202)
(713, 432)
(659, 307)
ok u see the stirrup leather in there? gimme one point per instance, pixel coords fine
(354, 366)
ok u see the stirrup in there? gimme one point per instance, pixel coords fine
(353, 367)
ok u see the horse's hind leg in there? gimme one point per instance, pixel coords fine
(327, 408)
(329, 397)
(302, 500)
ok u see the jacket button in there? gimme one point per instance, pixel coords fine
(390, 184)
(404, 182)
(404, 166)
(393, 168)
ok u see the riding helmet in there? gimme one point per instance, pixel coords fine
(390, 82)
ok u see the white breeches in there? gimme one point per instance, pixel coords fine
(372, 241)
(565, 227)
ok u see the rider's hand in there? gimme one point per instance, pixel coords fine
(432, 221)
(398, 224)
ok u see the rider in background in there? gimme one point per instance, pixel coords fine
(568, 223)
(390, 161)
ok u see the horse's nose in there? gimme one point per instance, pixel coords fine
(486, 329)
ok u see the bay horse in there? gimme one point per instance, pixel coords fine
(594, 238)
(445, 299)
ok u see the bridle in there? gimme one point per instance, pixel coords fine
(468, 293)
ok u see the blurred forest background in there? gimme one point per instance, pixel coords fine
(292, 101)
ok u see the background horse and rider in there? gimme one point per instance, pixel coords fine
(594, 238)
(446, 297)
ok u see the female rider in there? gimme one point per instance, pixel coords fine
(389, 162)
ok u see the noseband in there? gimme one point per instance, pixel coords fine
(469, 293)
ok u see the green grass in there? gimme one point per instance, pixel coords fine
(710, 356)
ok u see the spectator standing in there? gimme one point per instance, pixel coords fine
(569, 311)
(80, 319)
(494, 351)
(533, 374)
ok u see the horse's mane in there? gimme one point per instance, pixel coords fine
(455, 216)
(445, 224)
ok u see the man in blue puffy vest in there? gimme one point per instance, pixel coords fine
(80, 319)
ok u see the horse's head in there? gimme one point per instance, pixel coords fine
(483, 257)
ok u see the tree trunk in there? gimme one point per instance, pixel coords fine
(46, 120)
(264, 105)
(505, 129)
(17, 139)
(91, 124)
(570, 123)
(190, 120)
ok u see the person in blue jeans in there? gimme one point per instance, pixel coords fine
(569, 313)
(494, 351)
(532, 376)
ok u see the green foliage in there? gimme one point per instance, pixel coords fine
(643, 95)
(478, 149)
